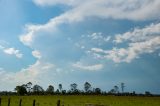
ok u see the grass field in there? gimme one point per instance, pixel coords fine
(82, 100)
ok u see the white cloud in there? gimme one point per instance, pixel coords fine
(139, 34)
(119, 9)
(13, 51)
(10, 51)
(97, 50)
(54, 2)
(36, 73)
(87, 41)
(141, 41)
(96, 36)
(28, 38)
(99, 36)
(134, 50)
(80, 10)
(94, 67)
(36, 54)
(39, 68)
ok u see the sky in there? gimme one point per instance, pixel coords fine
(104, 42)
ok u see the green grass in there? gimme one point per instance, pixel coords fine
(82, 100)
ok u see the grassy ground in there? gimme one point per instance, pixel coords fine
(82, 100)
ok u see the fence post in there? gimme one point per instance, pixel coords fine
(20, 102)
(9, 100)
(34, 102)
(58, 103)
(0, 101)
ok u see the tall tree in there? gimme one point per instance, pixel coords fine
(60, 87)
(87, 86)
(57, 91)
(50, 89)
(116, 88)
(29, 86)
(112, 91)
(73, 87)
(37, 89)
(21, 90)
(97, 91)
(122, 87)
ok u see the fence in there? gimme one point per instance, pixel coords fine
(20, 102)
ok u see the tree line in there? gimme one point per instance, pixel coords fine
(30, 89)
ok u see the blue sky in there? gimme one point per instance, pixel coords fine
(104, 42)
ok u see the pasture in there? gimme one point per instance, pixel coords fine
(81, 100)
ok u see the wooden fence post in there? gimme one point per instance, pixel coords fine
(34, 102)
(0, 101)
(58, 103)
(20, 102)
(9, 100)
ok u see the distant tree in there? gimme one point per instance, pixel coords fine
(57, 91)
(87, 86)
(29, 87)
(133, 93)
(147, 93)
(21, 90)
(97, 90)
(64, 92)
(60, 87)
(73, 87)
(37, 89)
(112, 91)
(50, 89)
(116, 89)
(122, 87)
(24, 85)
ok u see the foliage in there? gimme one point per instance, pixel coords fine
(60, 87)
(122, 87)
(97, 91)
(73, 87)
(21, 90)
(29, 86)
(87, 87)
(37, 89)
(28, 89)
(50, 89)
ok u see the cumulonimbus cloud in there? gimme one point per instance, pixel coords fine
(136, 10)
